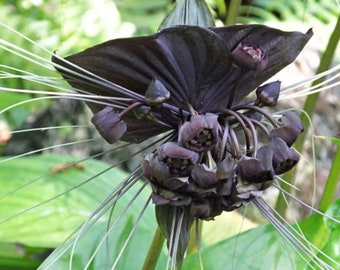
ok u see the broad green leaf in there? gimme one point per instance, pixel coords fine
(19, 257)
(42, 185)
(332, 247)
(18, 264)
(259, 248)
(50, 223)
(189, 12)
(263, 247)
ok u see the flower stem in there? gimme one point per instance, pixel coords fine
(232, 12)
(154, 250)
(193, 245)
(332, 182)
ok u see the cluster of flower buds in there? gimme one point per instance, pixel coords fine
(219, 161)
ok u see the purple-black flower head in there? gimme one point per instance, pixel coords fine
(192, 81)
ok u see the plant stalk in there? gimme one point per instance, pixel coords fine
(233, 11)
(332, 182)
(154, 250)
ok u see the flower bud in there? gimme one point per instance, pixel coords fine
(109, 124)
(142, 112)
(291, 129)
(284, 158)
(253, 170)
(156, 93)
(226, 169)
(268, 94)
(292, 119)
(250, 56)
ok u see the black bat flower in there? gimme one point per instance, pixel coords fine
(194, 81)
(196, 65)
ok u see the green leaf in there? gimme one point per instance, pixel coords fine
(48, 224)
(43, 185)
(263, 247)
(18, 264)
(332, 246)
(260, 248)
(189, 12)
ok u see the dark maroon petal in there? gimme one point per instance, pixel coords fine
(172, 150)
(200, 134)
(292, 119)
(139, 130)
(203, 176)
(282, 48)
(166, 197)
(205, 209)
(226, 169)
(194, 64)
(190, 62)
(109, 124)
